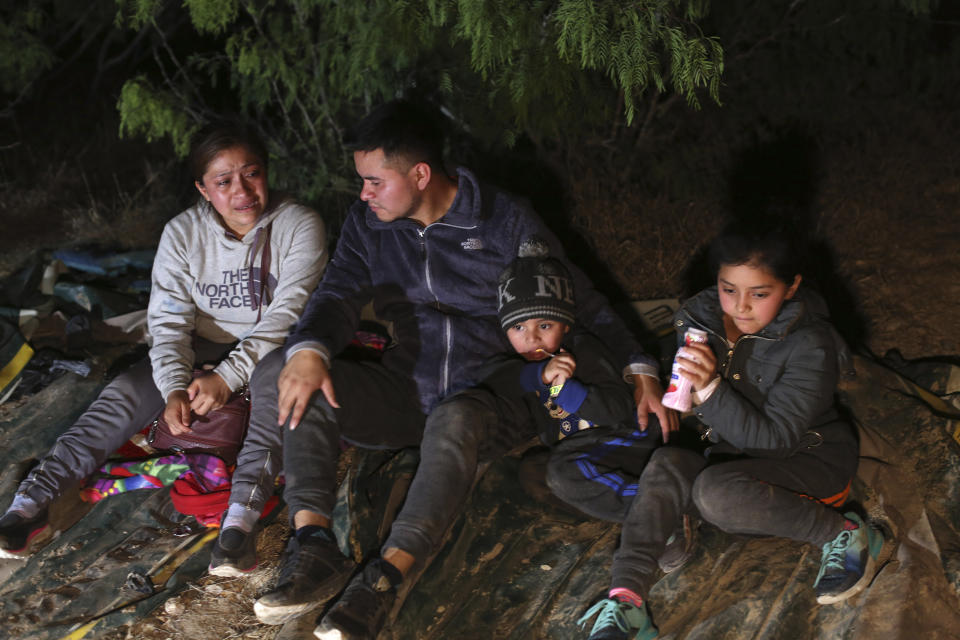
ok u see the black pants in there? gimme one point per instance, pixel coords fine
(379, 409)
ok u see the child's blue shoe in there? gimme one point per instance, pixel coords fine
(849, 561)
(617, 620)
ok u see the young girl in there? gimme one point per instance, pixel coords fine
(780, 459)
(231, 275)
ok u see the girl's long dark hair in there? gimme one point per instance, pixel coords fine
(774, 246)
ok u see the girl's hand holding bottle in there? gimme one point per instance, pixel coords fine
(697, 364)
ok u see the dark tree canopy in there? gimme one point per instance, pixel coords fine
(604, 82)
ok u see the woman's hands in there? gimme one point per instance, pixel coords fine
(177, 412)
(207, 392)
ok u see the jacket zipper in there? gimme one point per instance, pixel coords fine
(445, 356)
(259, 484)
(731, 348)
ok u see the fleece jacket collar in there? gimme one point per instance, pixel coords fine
(465, 211)
(807, 305)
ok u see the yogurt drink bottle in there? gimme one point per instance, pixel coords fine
(679, 395)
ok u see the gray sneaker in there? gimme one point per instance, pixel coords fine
(311, 572)
(680, 546)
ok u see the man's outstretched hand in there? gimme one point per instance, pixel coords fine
(304, 374)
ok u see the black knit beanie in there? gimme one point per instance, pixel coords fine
(535, 286)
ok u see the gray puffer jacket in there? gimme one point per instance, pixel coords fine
(776, 395)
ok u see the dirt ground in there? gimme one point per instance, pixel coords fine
(888, 210)
(896, 230)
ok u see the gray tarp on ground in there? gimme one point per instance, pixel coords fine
(83, 570)
(514, 568)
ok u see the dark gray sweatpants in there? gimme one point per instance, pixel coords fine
(124, 407)
(379, 409)
(758, 496)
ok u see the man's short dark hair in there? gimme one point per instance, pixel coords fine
(406, 131)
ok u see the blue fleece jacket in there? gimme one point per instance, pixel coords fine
(436, 288)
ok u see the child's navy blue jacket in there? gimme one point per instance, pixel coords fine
(596, 395)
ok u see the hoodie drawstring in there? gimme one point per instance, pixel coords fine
(259, 281)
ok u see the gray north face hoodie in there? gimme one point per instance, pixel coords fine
(207, 282)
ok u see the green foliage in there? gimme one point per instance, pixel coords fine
(23, 53)
(212, 16)
(153, 114)
(625, 45)
(35, 35)
(598, 82)
(546, 69)
(136, 13)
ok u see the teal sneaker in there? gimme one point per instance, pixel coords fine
(849, 561)
(617, 620)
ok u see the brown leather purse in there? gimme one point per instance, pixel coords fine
(219, 433)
